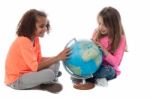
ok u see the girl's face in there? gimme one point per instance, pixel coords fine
(101, 26)
(41, 26)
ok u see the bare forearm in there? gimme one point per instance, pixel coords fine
(46, 62)
(44, 58)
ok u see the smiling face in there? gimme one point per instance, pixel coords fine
(41, 26)
(101, 26)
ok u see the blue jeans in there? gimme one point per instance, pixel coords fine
(107, 72)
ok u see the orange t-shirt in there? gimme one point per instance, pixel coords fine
(22, 58)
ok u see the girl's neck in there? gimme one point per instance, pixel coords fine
(32, 39)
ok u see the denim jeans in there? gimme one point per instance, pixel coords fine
(107, 72)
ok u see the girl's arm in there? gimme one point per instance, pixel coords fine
(47, 61)
(115, 59)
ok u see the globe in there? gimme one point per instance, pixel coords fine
(84, 60)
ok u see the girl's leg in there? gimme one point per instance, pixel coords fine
(55, 68)
(34, 79)
(103, 74)
(107, 72)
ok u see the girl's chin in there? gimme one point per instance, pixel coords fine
(41, 35)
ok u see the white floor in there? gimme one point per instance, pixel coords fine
(77, 18)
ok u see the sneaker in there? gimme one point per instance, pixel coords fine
(59, 74)
(53, 88)
(102, 82)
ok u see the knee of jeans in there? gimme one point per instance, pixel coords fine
(58, 64)
(111, 76)
(55, 66)
(50, 74)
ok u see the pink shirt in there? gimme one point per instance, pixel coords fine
(113, 59)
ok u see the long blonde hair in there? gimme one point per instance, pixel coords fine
(112, 21)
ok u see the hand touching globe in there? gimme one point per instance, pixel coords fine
(84, 60)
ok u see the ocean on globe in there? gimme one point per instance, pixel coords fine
(84, 60)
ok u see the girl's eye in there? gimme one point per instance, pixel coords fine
(42, 26)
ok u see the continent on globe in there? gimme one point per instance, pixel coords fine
(84, 60)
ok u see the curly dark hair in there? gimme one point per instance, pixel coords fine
(27, 24)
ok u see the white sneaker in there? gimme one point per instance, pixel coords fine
(102, 82)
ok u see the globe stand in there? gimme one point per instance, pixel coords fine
(84, 85)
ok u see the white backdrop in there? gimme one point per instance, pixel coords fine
(77, 19)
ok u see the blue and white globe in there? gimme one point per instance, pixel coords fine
(84, 60)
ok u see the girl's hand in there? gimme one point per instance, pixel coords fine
(97, 43)
(105, 51)
(64, 54)
(95, 35)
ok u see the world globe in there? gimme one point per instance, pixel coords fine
(84, 60)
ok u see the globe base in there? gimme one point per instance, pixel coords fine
(84, 86)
